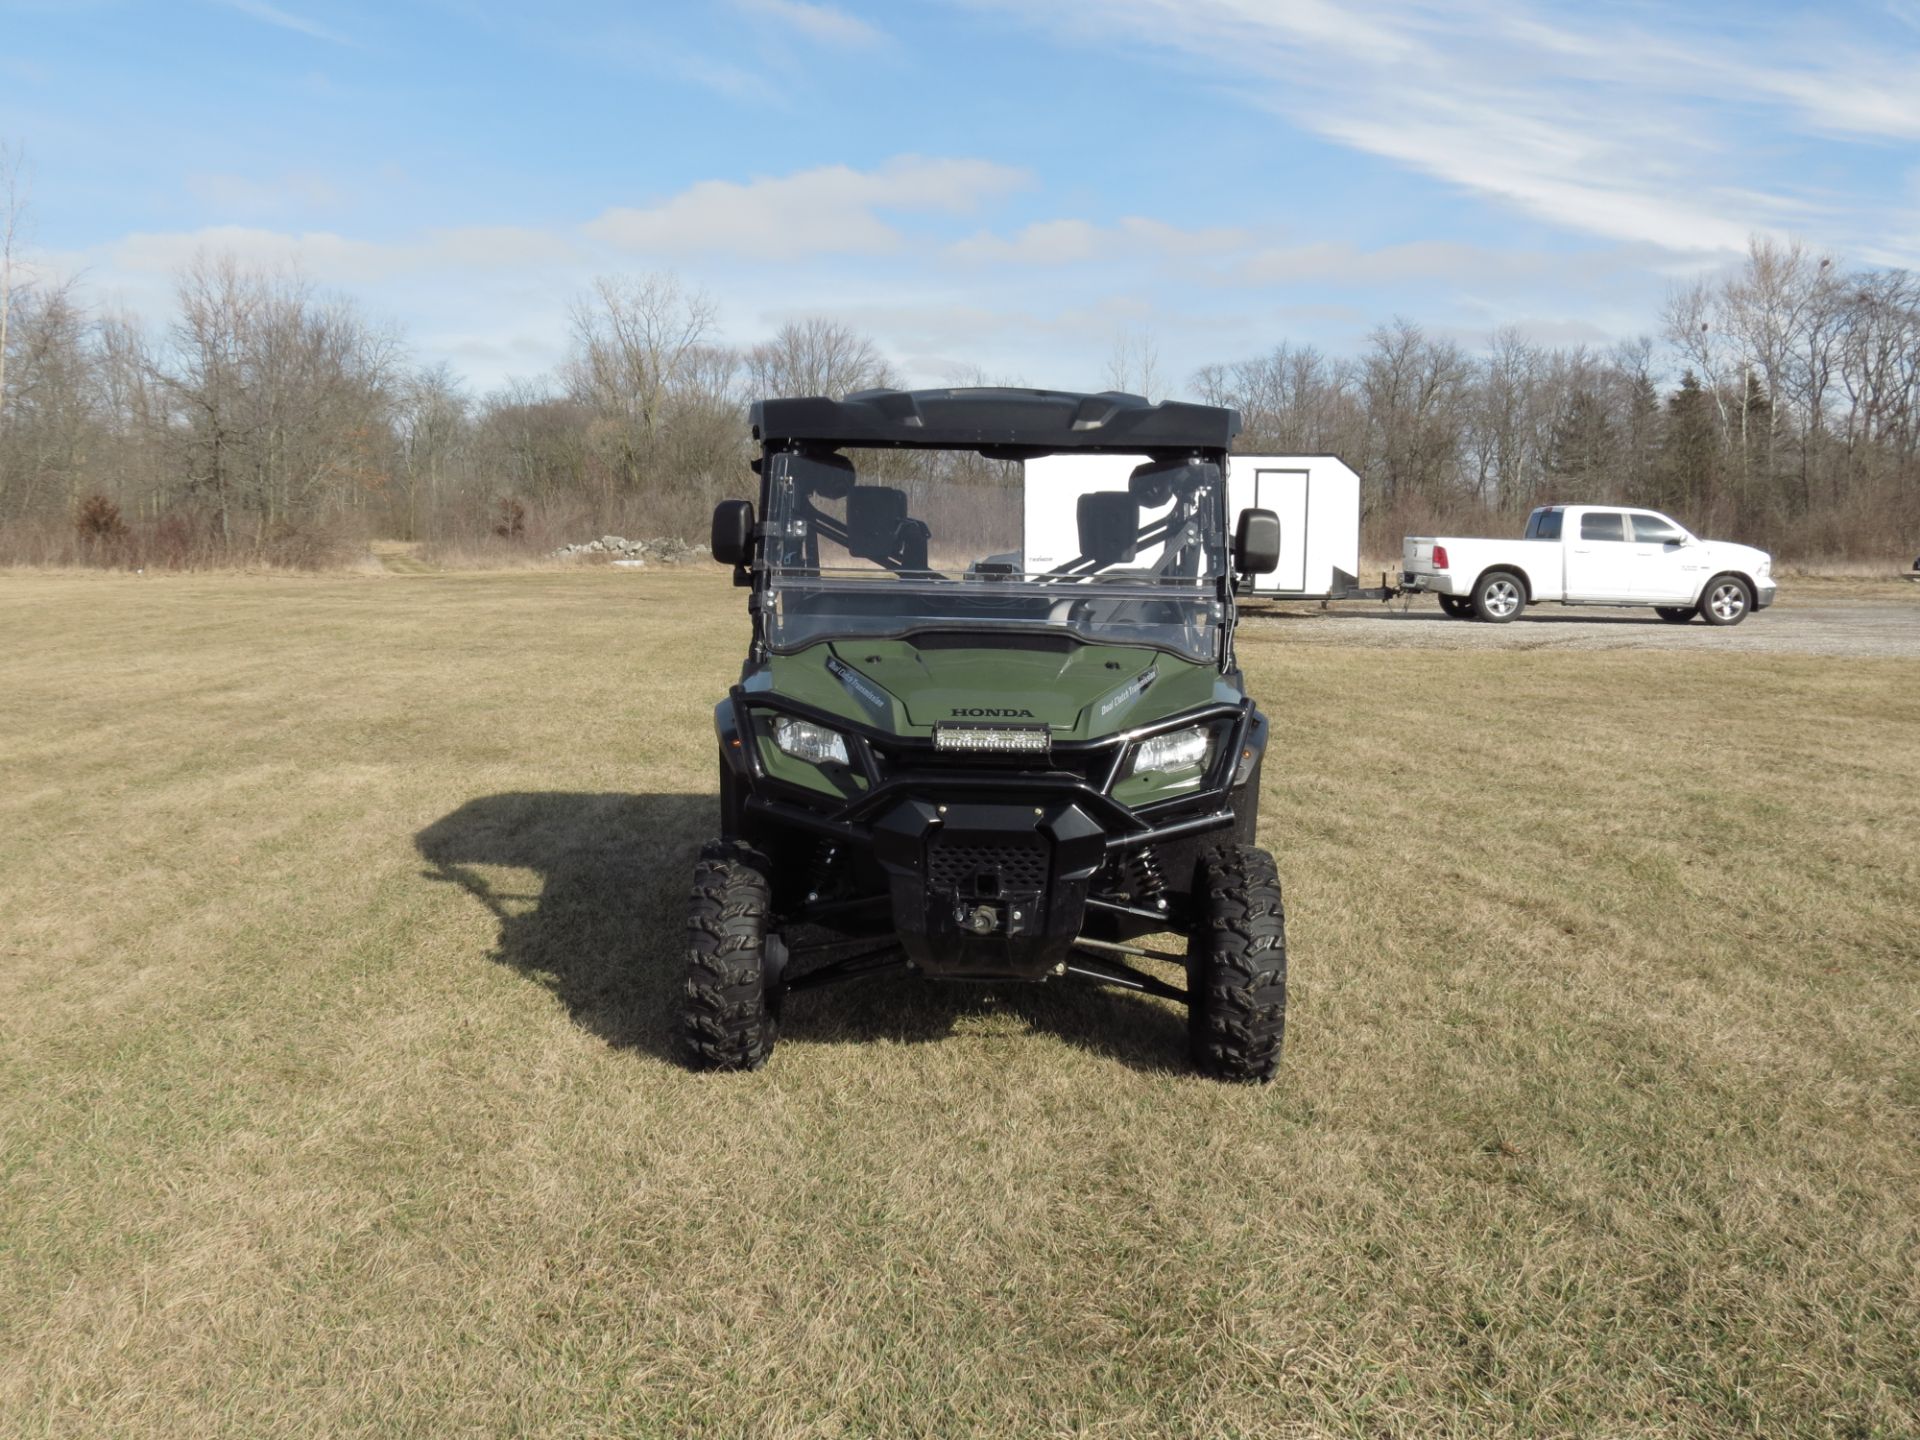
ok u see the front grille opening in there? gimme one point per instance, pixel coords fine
(971, 866)
(1088, 764)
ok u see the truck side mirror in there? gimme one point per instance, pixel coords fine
(1256, 543)
(733, 531)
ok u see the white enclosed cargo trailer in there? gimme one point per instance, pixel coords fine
(1316, 497)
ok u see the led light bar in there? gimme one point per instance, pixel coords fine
(993, 739)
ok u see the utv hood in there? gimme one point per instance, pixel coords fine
(1077, 691)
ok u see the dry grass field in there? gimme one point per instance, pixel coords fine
(339, 920)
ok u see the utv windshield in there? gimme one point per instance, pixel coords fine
(1106, 548)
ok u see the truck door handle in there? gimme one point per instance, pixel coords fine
(1583, 549)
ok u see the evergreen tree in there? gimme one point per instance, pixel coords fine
(1582, 446)
(1640, 440)
(1690, 452)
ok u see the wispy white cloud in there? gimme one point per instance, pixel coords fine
(332, 258)
(1066, 242)
(823, 24)
(832, 210)
(1048, 242)
(1619, 122)
(287, 20)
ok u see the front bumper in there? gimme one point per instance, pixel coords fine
(988, 890)
(987, 867)
(1765, 592)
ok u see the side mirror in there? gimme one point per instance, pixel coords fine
(1256, 543)
(733, 531)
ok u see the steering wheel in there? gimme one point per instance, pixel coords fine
(1070, 611)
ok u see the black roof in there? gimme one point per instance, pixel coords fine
(1042, 421)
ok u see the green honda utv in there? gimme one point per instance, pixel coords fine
(989, 729)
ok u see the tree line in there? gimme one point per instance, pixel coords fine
(269, 419)
(1793, 423)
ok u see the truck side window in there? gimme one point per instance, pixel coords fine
(1653, 530)
(1605, 525)
(1546, 525)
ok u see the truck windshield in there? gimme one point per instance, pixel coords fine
(939, 540)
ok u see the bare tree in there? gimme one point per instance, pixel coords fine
(633, 337)
(630, 337)
(282, 396)
(44, 447)
(132, 406)
(13, 214)
(1133, 365)
(1693, 323)
(1414, 388)
(1501, 425)
(431, 421)
(816, 356)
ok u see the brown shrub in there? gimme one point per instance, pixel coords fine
(97, 521)
(509, 518)
(304, 545)
(173, 543)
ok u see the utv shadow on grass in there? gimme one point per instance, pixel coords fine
(603, 928)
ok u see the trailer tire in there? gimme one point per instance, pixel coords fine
(1675, 614)
(1237, 967)
(728, 1008)
(1458, 607)
(1726, 600)
(1499, 596)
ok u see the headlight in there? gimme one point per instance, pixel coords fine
(1766, 566)
(807, 741)
(1176, 750)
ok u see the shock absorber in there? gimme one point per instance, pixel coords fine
(1144, 881)
(821, 871)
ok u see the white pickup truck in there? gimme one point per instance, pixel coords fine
(1592, 555)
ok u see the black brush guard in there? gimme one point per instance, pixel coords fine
(988, 863)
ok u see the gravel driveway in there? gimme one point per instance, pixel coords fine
(1877, 627)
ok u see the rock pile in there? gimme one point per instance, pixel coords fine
(661, 550)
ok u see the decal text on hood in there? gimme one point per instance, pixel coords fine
(861, 688)
(1130, 691)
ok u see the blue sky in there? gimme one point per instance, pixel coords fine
(997, 187)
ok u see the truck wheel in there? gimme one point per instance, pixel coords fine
(1674, 614)
(1725, 601)
(727, 1008)
(1499, 597)
(1237, 967)
(1458, 606)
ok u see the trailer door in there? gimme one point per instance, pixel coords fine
(1286, 492)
